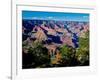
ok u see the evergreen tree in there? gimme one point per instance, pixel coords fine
(82, 53)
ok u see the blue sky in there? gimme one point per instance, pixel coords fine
(55, 16)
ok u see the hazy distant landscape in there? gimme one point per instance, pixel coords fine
(54, 43)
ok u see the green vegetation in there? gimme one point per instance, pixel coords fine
(78, 56)
(82, 53)
(39, 56)
(68, 54)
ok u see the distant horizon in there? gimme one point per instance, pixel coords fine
(56, 16)
(55, 20)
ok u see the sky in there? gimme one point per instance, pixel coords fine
(59, 16)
